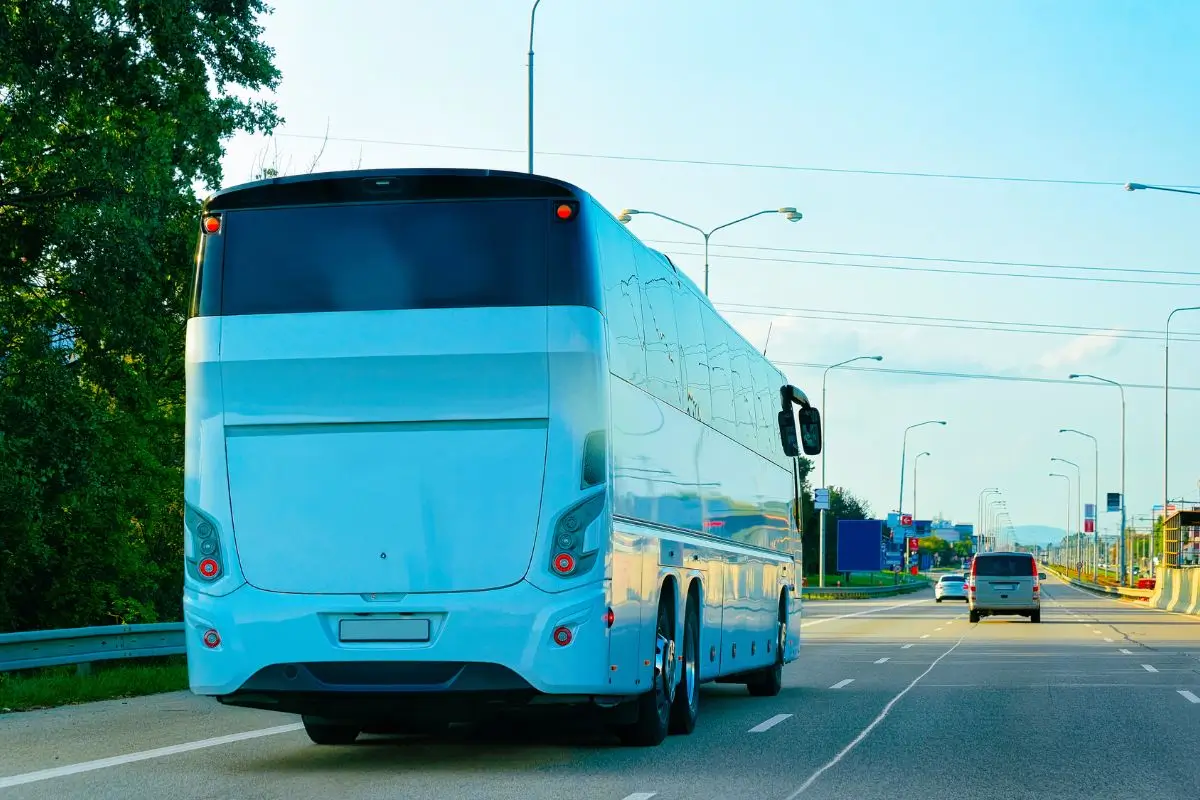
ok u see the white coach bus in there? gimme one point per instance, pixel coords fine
(457, 441)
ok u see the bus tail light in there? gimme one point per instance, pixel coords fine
(609, 618)
(205, 561)
(211, 638)
(209, 568)
(563, 636)
(566, 212)
(211, 224)
(564, 563)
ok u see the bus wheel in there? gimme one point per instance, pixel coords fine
(687, 696)
(768, 682)
(654, 707)
(323, 731)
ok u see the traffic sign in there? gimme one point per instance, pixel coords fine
(821, 499)
(912, 544)
(1114, 501)
(906, 520)
(1089, 526)
(1089, 510)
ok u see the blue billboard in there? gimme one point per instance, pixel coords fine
(860, 545)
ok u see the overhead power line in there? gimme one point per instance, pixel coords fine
(935, 259)
(982, 377)
(734, 164)
(955, 323)
(935, 271)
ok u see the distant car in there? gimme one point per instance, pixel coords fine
(952, 586)
(1005, 583)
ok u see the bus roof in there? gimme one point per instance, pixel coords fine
(357, 185)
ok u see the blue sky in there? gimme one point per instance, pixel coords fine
(1069, 90)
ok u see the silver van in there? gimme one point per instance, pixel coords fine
(1005, 583)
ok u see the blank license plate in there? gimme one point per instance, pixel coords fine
(384, 630)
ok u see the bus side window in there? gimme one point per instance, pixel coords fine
(662, 336)
(765, 406)
(622, 302)
(742, 377)
(717, 343)
(697, 394)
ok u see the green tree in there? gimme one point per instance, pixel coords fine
(112, 112)
(843, 504)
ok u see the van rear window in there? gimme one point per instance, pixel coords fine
(1004, 566)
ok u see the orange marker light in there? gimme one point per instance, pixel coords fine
(564, 211)
(212, 225)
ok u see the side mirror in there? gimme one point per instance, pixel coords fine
(810, 430)
(1041, 576)
(788, 435)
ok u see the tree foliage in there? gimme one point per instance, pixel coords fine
(112, 112)
(843, 504)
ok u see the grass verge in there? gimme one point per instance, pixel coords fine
(61, 686)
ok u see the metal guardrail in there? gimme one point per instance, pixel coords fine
(1117, 591)
(82, 646)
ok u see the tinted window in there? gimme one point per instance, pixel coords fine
(376, 256)
(622, 302)
(695, 358)
(717, 342)
(1004, 566)
(952, 579)
(658, 320)
(742, 377)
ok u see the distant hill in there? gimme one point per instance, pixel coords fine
(1037, 534)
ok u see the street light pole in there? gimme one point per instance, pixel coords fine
(903, 453)
(1166, 424)
(1075, 551)
(979, 514)
(1095, 501)
(824, 450)
(1068, 529)
(1133, 187)
(1124, 578)
(532, 17)
(789, 213)
(916, 461)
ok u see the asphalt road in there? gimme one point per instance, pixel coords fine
(898, 697)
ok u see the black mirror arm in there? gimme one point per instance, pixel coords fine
(790, 395)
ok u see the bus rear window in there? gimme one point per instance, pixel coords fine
(1004, 566)
(368, 257)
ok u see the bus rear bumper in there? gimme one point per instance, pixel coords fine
(287, 652)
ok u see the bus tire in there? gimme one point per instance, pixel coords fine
(654, 707)
(323, 731)
(769, 682)
(686, 707)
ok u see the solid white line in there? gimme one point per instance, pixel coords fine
(882, 660)
(129, 758)
(1126, 652)
(1148, 668)
(841, 683)
(768, 724)
(640, 796)
(1191, 698)
(924, 635)
(906, 646)
(867, 730)
(859, 613)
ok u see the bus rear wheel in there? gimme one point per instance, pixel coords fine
(654, 707)
(687, 695)
(323, 731)
(769, 682)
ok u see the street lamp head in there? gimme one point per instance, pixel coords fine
(787, 210)
(1130, 187)
(1074, 375)
(791, 215)
(875, 358)
(940, 421)
(627, 214)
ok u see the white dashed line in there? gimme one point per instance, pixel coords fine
(766, 725)
(906, 646)
(641, 796)
(882, 660)
(1148, 668)
(823, 620)
(1191, 698)
(924, 635)
(1126, 652)
(1097, 632)
(144, 755)
(1107, 639)
(841, 683)
(935, 630)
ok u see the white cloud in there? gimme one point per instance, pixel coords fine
(1080, 349)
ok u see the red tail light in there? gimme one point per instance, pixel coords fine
(211, 638)
(562, 636)
(609, 618)
(209, 568)
(564, 563)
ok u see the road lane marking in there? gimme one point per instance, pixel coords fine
(766, 725)
(144, 755)
(1097, 632)
(882, 660)
(859, 613)
(906, 646)
(867, 730)
(1148, 668)
(924, 635)
(1107, 639)
(936, 630)
(1126, 652)
(641, 796)
(841, 683)
(1191, 698)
